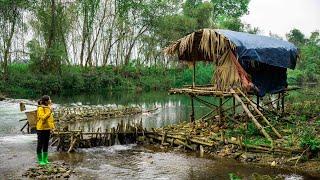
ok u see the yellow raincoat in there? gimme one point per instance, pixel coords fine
(45, 119)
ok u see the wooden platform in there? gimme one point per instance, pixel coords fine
(221, 111)
(201, 91)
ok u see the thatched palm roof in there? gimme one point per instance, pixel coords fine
(202, 45)
(208, 45)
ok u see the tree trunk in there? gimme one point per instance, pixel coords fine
(128, 55)
(84, 34)
(90, 50)
(7, 49)
(51, 36)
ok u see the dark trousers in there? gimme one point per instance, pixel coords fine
(43, 140)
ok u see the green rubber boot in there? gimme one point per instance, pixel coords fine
(40, 159)
(45, 157)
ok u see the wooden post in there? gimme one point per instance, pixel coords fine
(220, 109)
(278, 102)
(28, 128)
(26, 124)
(258, 99)
(194, 74)
(282, 103)
(192, 109)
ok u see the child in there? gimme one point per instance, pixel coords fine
(45, 123)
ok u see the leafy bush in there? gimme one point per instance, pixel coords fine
(295, 76)
(309, 139)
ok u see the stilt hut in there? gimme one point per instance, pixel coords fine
(244, 63)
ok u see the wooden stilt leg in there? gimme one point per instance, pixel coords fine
(278, 102)
(282, 103)
(28, 128)
(258, 99)
(194, 74)
(192, 110)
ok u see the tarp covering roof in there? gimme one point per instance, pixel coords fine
(264, 49)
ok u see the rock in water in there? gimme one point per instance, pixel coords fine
(2, 97)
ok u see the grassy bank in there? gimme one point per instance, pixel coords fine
(73, 79)
(76, 80)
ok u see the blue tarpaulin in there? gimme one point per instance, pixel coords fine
(274, 56)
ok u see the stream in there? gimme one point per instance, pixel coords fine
(17, 150)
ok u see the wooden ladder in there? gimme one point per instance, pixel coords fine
(255, 114)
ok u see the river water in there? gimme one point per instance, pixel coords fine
(17, 150)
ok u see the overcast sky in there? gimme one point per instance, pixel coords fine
(280, 16)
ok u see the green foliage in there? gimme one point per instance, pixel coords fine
(199, 11)
(296, 37)
(78, 79)
(179, 26)
(295, 76)
(303, 103)
(233, 24)
(233, 176)
(199, 14)
(229, 8)
(309, 139)
(36, 54)
(304, 109)
(252, 130)
(52, 23)
(310, 59)
(308, 66)
(256, 140)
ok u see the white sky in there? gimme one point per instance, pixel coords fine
(281, 16)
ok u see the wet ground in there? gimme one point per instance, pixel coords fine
(17, 153)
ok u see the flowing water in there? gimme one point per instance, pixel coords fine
(17, 150)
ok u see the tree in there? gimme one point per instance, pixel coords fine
(226, 9)
(233, 24)
(89, 9)
(10, 20)
(310, 57)
(52, 24)
(296, 37)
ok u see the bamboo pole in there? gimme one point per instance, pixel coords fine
(258, 98)
(192, 110)
(263, 117)
(282, 103)
(194, 75)
(220, 110)
(278, 102)
(24, 126)
(233, 106)
(254, 120)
